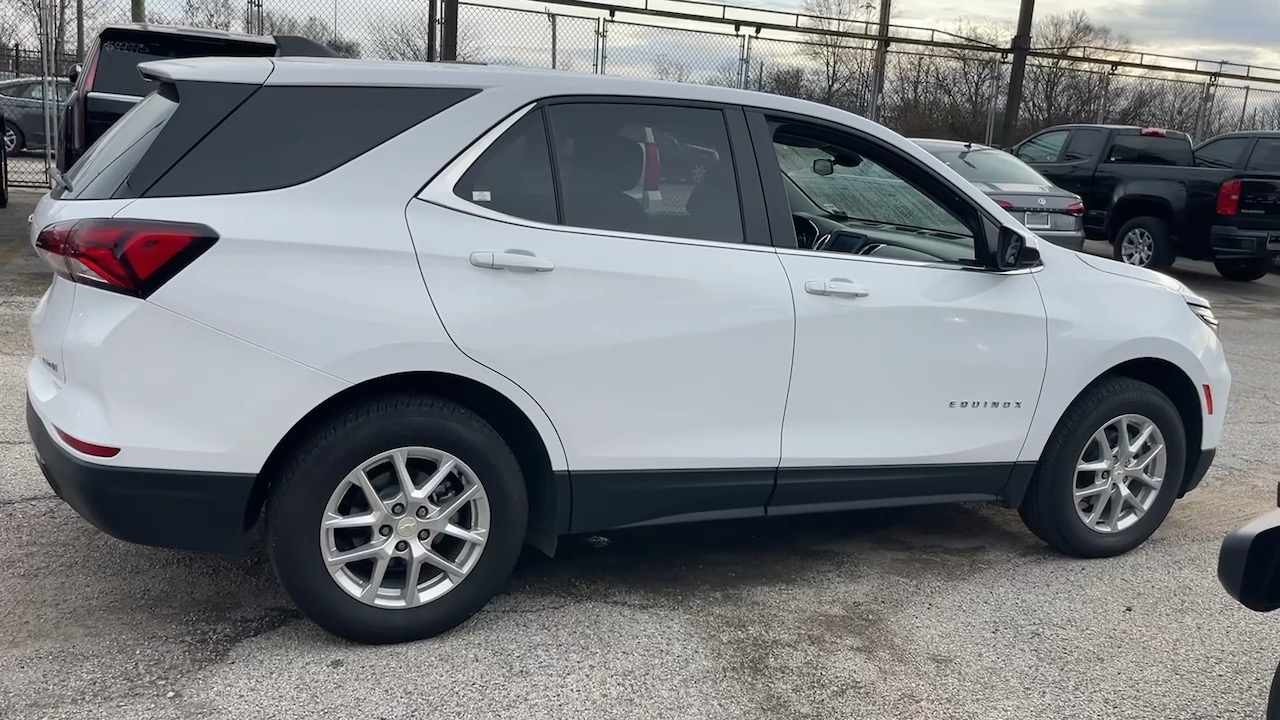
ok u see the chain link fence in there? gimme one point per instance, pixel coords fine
(936, 89)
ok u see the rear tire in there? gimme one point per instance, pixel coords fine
(1145, 242)
(1052, 508)
(303, 496)
(14, 142)
(1243, 270)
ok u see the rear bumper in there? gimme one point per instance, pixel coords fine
(1199, 471)
(1231, 242)
(1070, 240)
(164, 508)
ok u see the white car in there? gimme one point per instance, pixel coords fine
(413, 349)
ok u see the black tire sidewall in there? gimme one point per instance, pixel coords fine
(1060, 471)
(1246, 270)
(298, 502)
(1162, 254)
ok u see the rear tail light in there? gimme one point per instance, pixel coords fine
(87, 448)
(652, 166)
(132, 257)
(1229, 197)
(1076, 209)
(1154, 132)
(1004, 204)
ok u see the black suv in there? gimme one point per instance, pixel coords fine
(109, 83)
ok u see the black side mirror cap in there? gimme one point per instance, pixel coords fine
(74, 73)
(1249, 563)
(1011, 251)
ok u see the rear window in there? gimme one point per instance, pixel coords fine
(120, 53)
(99, 172)
(1150, 150)
(1266, 156)
(990, 166)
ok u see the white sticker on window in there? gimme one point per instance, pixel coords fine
(480, 196)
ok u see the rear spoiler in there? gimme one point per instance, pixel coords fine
(243, 70)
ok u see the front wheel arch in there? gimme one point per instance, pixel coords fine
(1169, 379)
(548, 496)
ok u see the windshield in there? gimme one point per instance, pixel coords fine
(864, 192)
(990, 166)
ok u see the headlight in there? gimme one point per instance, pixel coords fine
(1206, 314)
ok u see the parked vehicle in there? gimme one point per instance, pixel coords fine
(1249, 569)
(413, 369)
(23, 105)
(109, 84)
(1155, 198)
(1053, 213)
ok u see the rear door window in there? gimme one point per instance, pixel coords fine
(1084, 144)
(1150, 150)
(120, 53)
(1045, 147)
(1266, 156)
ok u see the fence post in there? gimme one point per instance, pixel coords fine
(744, 61)
(602, 37)
(1244, 108)
(995, 99)
(552, 17)
(1202, 112)
(1106, 93)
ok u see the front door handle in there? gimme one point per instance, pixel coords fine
(837, 287)
(512, 260)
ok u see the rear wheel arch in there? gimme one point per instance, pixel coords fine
(548, 492)
(1134, 207)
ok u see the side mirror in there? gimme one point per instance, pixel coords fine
(823, 166)
(1011, 251)
(1249, 563)
(74, 72)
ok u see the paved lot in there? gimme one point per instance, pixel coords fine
(953, 612)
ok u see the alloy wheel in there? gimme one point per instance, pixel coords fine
(1119, 473)
(1137, 247)
(405, 527)
(10, 139)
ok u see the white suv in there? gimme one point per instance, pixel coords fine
(415, 348)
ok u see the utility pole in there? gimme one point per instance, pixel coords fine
(79, 31)
(449, 34)
(881, 61)
(1017, 71)
(433, 23)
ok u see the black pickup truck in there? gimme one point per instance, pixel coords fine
(1155, 197)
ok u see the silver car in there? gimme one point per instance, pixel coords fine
(1054, 214)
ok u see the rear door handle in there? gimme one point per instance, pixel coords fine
(838, 287)
(512, 260)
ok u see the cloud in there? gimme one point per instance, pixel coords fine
(1243, 24)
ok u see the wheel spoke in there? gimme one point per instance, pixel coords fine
(399, 460)
(1104, 445)
(1142, 439)
(364, 552)
(375, 579)
(1116, 509)
(438, 477)
(1082, 493)
(1145, 479)
(1094, 466)
(1098, 505)
(1122, 438)
(334, 521)
(1146, 459)
(456, 503)
(477, 537)
(1128, 498)
(361, 480)
(426, 555)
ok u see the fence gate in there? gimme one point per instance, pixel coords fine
(33, 82)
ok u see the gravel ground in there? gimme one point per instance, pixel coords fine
(948, 612)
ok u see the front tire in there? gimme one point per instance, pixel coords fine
(398, 520)
(1243, 270)
(1110, 471)
(1145, 242)
(14, 142)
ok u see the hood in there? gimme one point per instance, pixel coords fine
(1115, 267)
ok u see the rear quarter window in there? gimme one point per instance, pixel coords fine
(287, 135)
(120, 52)
(103, 169)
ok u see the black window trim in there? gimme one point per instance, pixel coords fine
(981, 223)
(1245, 154)
(439, 190)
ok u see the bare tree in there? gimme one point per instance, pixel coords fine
(403, 36)
(667, 68)
(843, 63)
(314, 28)
(218, 14)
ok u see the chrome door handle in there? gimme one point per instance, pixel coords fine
(511, 260)
(837, 287)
